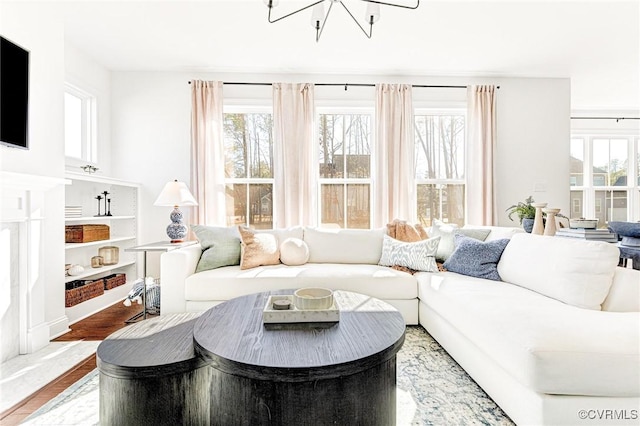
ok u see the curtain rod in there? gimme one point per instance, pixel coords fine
(349, 84)
(606, 118)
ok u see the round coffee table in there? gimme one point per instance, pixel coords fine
(297, 374)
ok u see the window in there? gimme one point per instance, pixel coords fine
(79, 124)
(345, 169)
(248, 145)
(603, 182)
(439, 157)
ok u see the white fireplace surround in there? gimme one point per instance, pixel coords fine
(23, 211)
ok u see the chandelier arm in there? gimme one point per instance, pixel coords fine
(319, 32)
(292, 13)
(368, 34)
(395, 5)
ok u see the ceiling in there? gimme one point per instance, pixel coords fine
(595, 43)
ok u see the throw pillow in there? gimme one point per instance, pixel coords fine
(402, 231)
(220, 246)
(419, 255)
(447, 233)
(294, 251)
(476, 258)
(258, 248)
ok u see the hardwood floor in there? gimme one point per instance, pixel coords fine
(95, 327)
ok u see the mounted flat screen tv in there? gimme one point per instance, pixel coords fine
(14, 95)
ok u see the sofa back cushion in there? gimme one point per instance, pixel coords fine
(344, 245)
(575, 272)
(624, 295)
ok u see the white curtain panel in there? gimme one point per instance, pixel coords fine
(207, 153)
(293, 126)
(394, 186)
(481, 146)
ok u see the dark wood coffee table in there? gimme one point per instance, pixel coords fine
(298, 374)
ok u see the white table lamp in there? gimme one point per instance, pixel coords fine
(176, 194)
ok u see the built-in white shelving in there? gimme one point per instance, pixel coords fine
(81, 191)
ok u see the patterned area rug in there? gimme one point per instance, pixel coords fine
(432, 390)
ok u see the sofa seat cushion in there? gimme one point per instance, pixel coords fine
(547, 345)
(229, 282)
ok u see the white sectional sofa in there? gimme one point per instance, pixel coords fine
(556, 342)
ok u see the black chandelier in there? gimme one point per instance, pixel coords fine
(319, 17)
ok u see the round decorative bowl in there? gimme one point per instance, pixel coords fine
(313, 298)
(583, 223)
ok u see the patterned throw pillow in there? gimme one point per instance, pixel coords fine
(220, 246)
(419, 255)
(258, 248)
(476, 258)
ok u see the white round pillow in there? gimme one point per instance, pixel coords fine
(294, 251)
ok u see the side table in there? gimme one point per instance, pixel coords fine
(160, 246)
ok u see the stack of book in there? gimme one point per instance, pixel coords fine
(588, 234)
(72, 211)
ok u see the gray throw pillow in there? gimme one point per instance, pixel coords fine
(419, 255)
(220, 246)
(476, 258)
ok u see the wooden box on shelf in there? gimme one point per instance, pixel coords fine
(85, 233)
(114, 280)
(81, 290)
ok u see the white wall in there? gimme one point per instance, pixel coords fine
(151, 131)
(36, 28)
(84, 73)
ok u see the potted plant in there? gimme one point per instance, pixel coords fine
(525, 212)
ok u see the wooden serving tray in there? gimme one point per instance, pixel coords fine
(295, 315)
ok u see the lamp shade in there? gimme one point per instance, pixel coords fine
(175, 194)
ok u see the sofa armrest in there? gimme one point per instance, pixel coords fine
(175, 267)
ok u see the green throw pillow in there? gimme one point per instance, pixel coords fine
(220, 246)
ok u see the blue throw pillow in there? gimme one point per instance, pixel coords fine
(476, 258)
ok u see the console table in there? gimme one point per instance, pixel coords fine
(301, 375)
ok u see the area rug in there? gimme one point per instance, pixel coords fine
(432, 389)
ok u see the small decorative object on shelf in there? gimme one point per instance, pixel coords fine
(99, 197)
(109, 254)
(97, 262)
(89, 168)
(75, 270)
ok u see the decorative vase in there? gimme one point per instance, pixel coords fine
(550, 228)
(538, 225)
(527, 224)
(110, 255)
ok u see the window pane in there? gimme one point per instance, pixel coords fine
(72, 126)
(344, 145)
(577, 162)
(332, 200)
(610, 162)
(441, 201)
(236, 204)
(248, 145)
(611, 206)
(439, 146)
(577, 204)
(358, 211)
(261, 206)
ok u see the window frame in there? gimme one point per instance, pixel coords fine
(89, 123)
(589, 190)
(248, 181)
(345, 181)
(439, 183)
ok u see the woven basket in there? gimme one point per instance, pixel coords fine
(85, 233)
(82, 290)
(114, 280)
